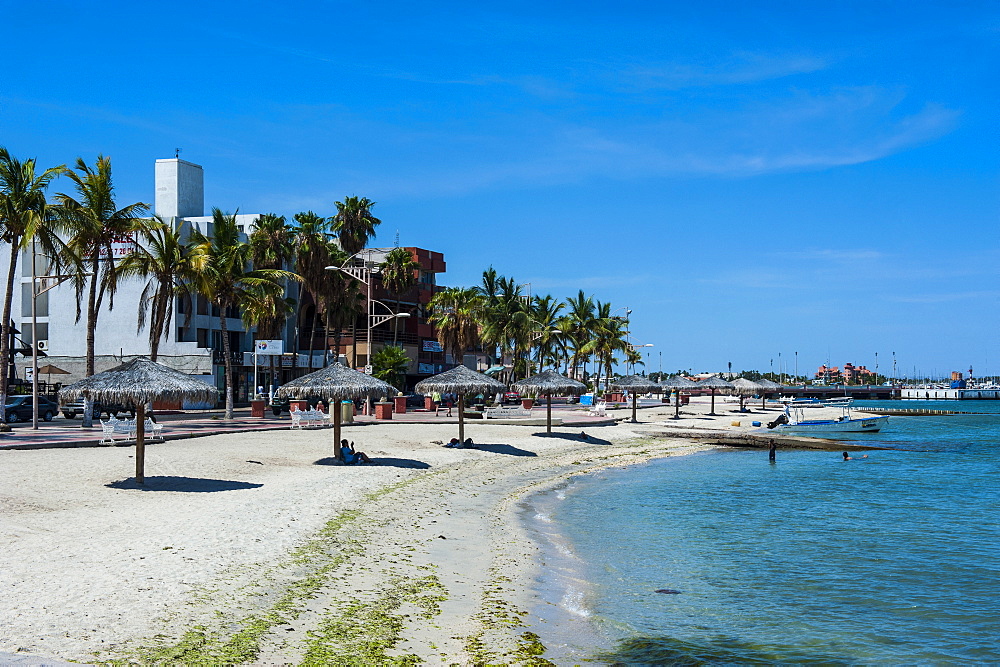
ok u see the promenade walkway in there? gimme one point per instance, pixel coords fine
(62, 432)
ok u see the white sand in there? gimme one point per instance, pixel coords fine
(91, 572)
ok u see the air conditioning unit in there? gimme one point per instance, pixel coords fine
(43, 345)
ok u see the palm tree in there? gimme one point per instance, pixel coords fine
(164, 258)
(23, 218)
(506, 323)
(340, 300)
(225, 278)
(608, 336)
(94, 222)
(456, 313)
(354, 223)
(390, 365)
(312, 256)
(582, 316)
(549, 339)
(399, 276)
(272, 246)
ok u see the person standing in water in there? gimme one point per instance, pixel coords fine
(770, 452)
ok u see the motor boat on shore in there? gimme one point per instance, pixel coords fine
(794, 421)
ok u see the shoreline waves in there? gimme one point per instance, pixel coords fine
(230, 553)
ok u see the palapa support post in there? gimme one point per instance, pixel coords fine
(634, 420)
(548, 413)
(461, 418)
(677, 403)
(712, 389)
(140, 444)
(336, 428)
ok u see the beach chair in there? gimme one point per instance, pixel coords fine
(599, 409)
(107, 433)
(151, 430)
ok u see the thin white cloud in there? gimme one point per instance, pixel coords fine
(987, 296)
(740, 68)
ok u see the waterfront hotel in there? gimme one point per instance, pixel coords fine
(196, 349)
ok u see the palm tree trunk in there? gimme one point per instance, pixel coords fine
(312, 333)
(156, 326)
(88, 405)
(5, 328)
(395, 324)
(229, 362)
(354, 345)
(326, 338)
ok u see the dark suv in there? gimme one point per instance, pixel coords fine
(71, 410)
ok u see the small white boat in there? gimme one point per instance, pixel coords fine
(839, 402)
(843, 423)
(842, 402)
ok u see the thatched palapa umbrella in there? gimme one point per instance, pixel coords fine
(137, 383)
(714, 382)
(635, 384)
(768, 386)
(678, 382)
(336, 383)
(548, 383)
(744, 387)
(460, 380)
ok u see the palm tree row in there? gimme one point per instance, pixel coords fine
(76, 233)
(532, 332)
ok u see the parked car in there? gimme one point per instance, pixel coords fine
(279, 405)
(71, 410)
(511, 397)
(19, 408)
(414, 400)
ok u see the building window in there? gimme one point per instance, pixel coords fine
(427, 277)
(203, 305)
(41, 264)
(43, 331)
(202, 337)
(41, 304)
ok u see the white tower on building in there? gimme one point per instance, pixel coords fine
(180, 189)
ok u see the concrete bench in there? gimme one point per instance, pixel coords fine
(127, 428)
(307, 418)
(505, 413)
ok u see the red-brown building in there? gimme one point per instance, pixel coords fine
(849, 374)
(414, 333)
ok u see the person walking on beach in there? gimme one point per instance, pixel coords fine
(436, 399)
(449, 400)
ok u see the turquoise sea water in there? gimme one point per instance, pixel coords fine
(890, 559)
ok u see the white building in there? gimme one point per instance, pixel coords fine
(195, 349)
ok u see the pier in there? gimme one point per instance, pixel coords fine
(862, 392)
(942, 394)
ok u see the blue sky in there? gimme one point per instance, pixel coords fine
(750, 179)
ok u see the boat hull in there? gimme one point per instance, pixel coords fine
(866, 425)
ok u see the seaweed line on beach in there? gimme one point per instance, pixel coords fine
(315, 561)
(349, 626)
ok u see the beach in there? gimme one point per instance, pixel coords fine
(252, 546)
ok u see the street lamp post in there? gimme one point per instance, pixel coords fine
(636, 347)
(363, 274)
